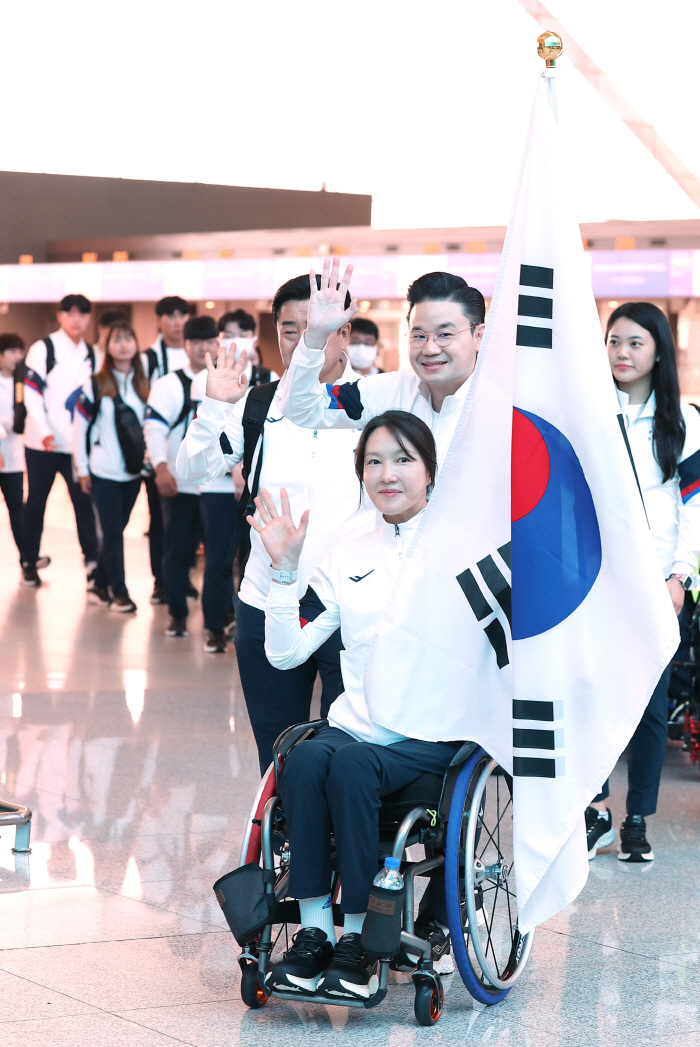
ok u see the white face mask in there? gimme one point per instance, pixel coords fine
(362, 356)
(240, 344)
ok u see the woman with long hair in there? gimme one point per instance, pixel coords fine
(338, 776)
(108, 453)
(664, 438)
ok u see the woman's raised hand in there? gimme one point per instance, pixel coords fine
(282, 540)
(327, 312)
(226, 381)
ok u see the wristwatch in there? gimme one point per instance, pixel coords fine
(283, 577)
(686, 580)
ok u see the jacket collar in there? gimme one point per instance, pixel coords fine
(647, 410)
(406, 530)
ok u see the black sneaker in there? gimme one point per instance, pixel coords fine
(351, 972)
(192, 593)
(43, 562)
(30, 577)
(123, 604)
(158, 594)
(177, 627)
(599, 830)
(91, 575)
(230, 623)
(98, 596)
(634, 846)
(430, 931)
(302, 966)
(215, 642)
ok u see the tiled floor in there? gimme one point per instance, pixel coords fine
(135, 755)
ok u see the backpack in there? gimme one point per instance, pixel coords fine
(19, 410)
(51, 355)
(189, 405)
(152, 357)
(129, 432)
(254, 414)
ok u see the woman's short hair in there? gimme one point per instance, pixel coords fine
(406, 429)
(669, 425)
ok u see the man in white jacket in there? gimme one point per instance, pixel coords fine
(317, 469)
(57, 369)
(446, 325)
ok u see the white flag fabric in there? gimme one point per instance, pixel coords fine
(552, 675)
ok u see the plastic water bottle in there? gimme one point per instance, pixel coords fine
(389, 877)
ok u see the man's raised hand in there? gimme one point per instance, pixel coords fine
(327, 312)
(226, 381)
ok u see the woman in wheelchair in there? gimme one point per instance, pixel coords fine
(334, 782)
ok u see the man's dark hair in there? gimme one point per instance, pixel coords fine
(360, 325)
(406, 428)
(112, 316)
(297, 290)
(74, 301)
(172, 304)
(200, 328)
(445, 287)
(10, 341)
(245, 321)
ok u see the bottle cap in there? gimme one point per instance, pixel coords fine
(392, 863)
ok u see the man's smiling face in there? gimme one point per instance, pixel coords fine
(447, 367)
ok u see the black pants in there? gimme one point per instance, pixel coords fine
(646, 753)
(218, 520)
(12, 487)
(180, 538)
(114, 502)
(331, 783)
(155, 529)
(42, 467)
(278, 698)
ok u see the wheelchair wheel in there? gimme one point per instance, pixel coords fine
(427, 1006)
(251, 993)
(482, 912)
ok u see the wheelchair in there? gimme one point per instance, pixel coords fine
(464, 822)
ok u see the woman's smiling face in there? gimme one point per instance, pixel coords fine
(395, 477)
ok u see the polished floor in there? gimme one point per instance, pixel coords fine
(135, 755)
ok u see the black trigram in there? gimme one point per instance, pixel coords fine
(499, 586)
(541, 738)
(538, 306)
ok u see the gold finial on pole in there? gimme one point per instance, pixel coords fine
(549, 47)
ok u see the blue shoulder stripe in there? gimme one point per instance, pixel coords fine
(346, 398)
(689, 473)
(34, 381)
(155, 416)
(310, 607)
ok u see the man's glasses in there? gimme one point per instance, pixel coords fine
(444, 339)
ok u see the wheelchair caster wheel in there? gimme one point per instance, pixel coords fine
(251, 993)
(428, 1003)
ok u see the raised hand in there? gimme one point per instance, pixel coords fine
(327, 310)
(226, 381)
(282, 540)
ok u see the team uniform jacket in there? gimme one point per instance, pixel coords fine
(50, 400)
(163, 437)
(11, 446)
(353, 401)
(673, 508)
(176, 359)
(317, 469)
(222, 484)
(349, 590)
(106, 458)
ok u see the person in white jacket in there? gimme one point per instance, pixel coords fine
(333, 782)
(446, 325)
(317, 469)
(99, 460)
(57, 369)
(11, 446)
(664, 441)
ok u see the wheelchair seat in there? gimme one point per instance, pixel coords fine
(424, 791)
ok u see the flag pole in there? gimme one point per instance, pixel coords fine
(549, 47)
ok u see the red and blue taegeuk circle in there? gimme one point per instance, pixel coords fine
(555, 538)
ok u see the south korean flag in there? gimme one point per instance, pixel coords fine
(531, 614)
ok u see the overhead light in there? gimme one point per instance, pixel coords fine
(190, 256)
(625, 243)
(209, 305)
(613, 305)
(26, 259)
(89, 256)
(120, 256)
(365, 306)
(225, 252)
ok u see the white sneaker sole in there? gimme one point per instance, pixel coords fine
(605, 840)
(354, 991)
(636, 856)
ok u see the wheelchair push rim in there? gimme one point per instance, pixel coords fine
(491, 955)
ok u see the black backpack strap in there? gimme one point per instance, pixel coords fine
(50, 355)
(164, 355)
(152, 359)
(19, 411)
(187, 405)
(95, 412)
(90, 355)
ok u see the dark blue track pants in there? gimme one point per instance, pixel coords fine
(332, 783)
(12, 487)
(114, 501)
(180, 538)
(42, 467)
(218, 520)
